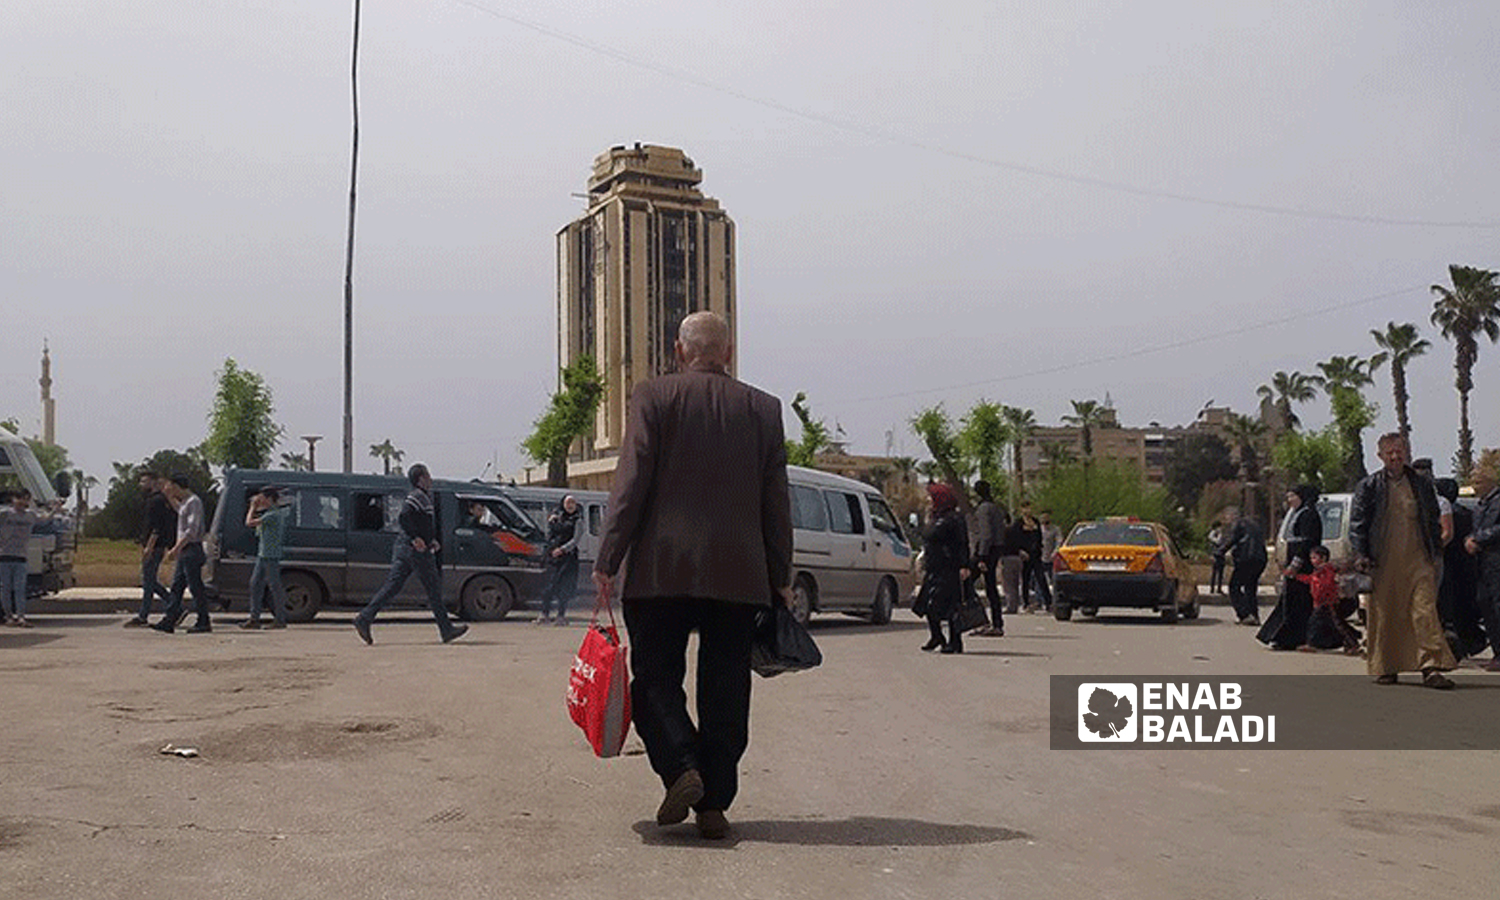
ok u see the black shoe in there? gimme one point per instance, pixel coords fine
(454, 633)
(684, 792)
(273, 625)
(363, 629)
(712, 825)
(136, 622)
(250, 624)
(165, 626)
(200, 628)
(952, 648)
(932, 644)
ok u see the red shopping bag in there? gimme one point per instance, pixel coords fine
(599, 685)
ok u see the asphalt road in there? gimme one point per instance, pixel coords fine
(326, 768)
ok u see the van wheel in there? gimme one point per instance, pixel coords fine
(802, 599)
(885, 601)
(1062, 610)
(304, 596)
(487, 598)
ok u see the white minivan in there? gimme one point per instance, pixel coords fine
(849, 554)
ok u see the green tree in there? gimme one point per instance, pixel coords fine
(1079, 491)
(569, 416)
(983, 438)
(124, 508)
(387, 453)
(241, 429)
(1199, 458)
(1316, 458)
(1344, 377)
(296, 462)
(1465, 311)
(814, 440)
(1019, 424)
(1087, 415)
(1400, 344)
(1287, 388)
(936, 431)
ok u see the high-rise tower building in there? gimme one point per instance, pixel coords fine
(49, 406)
(649, 249)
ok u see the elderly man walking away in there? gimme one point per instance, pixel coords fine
(1395, 532)
(415, 550)
(700, 518)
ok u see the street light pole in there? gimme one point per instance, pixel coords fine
(349, 256)
(312, 451)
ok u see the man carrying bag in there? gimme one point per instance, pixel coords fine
(699, 516)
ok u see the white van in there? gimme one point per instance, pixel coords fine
(538, 503)
(848, 551)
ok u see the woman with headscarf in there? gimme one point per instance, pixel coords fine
(1286, 627)
(945, 562)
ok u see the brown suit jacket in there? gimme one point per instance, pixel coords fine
(699, 506)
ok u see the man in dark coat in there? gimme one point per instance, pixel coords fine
(989, 540)
(1484, 543)
(1395, 532)
(699, 515)
(1246, 546)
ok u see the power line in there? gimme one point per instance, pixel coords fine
(991, 162)
(1144, 351)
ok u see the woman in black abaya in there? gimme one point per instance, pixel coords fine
(1286, 627)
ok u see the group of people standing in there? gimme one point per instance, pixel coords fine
(1013, 554)
(1434, 571)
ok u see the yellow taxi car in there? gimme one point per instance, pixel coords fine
(1122, 562)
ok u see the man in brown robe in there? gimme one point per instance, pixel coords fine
(1396, 534)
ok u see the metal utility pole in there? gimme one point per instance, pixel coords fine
(349, 257)
(312, 450)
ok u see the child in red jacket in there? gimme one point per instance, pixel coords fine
(1326, 630)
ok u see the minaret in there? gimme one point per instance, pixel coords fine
(49, 406)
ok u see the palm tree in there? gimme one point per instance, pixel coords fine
(1343, 379)
(296, 462)
(1020, 423)
(387, 453)
(1246, 432)
(1471, 307)
(1287, 388)
(1401, 344)
(1056, 454)
(1087, 415)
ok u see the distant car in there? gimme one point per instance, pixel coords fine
(1124, 563)
(1335, 511)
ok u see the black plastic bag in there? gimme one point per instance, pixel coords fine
(781, 643)
(971, 615)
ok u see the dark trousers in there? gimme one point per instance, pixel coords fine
(955, 638)
(1216, 575)
(986, 573)
(405, 560)
(1244, 583)
(1034, 577)
(188, 576)
(658, 630)
(151, 587)
(562, 584)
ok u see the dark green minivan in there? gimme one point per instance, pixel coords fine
(342, 529)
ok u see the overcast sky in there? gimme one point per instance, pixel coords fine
(923, 197)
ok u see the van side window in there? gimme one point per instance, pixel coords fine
(883, 519)
(369, 512)
(808, 511)
(844, 515)
(596, 518)
(319, 509)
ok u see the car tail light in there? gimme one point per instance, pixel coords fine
(1058, 563)
(1155, 565)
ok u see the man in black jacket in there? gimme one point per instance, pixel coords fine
(160, 532)
(1247, 548)
(415, 550)
(1484, 543)
(1395, 531)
